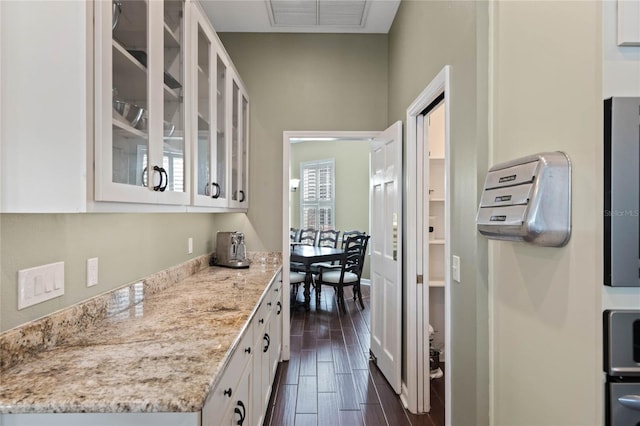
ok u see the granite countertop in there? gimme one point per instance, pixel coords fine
(162, 354)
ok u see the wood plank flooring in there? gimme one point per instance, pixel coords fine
(329, 379)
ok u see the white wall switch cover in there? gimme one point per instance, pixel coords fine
(455, 268)
(35, 285)
(92, 271)
(190, 246)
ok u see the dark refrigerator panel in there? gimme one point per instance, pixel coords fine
(622, 192)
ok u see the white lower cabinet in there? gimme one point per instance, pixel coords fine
(242, 395)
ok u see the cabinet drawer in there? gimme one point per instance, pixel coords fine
(223, 393)
(516, 175)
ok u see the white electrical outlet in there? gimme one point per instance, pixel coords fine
(92, 271)
(35, 285)
(455, 267)
(190, 246)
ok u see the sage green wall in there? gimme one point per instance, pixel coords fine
(426, 36)
(301, 82)
(128, 247)
(352, 182)
(547, 310)
(351, 175)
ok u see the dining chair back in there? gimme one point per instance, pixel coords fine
(347, 273)
(293, 234)
(347, 234)
(308, 236)
(328, 238)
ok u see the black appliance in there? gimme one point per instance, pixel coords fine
(622, 367)
(622, 192)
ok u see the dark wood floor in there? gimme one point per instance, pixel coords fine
(329, 379)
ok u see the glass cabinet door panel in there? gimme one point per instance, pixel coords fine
(174, 112)
(129, 92)
(203, 184)
(244, 159)
(235, 178)
(221, 127)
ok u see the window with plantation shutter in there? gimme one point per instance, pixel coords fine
(317, 194)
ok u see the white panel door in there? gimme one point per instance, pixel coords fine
(386, 252)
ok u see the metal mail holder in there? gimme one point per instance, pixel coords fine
(528, 199)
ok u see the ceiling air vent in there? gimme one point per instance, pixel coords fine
(336, 13)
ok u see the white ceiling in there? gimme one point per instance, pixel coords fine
(301, 16)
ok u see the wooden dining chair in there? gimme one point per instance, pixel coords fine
(308, 236)
(347, 273)
(326, 238)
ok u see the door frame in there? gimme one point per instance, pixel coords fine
(417, 314)
(287, 136)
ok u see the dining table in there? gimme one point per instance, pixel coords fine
(307, 256)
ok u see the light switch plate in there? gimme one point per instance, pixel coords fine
(92, 271)
(35, 285)
(455, 267)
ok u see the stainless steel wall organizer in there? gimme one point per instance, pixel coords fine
(528, 199)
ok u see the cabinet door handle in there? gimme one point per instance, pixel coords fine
(159, 185)
(242, 197)
(228, 392)
(248, 349)
(164, 173)
(217, 187)
(268, 303)
(279, 308)
(268, 340)
(261, 320)
(242, 413)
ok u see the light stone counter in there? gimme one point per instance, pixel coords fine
(153, 351)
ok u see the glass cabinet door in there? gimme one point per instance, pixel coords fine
(239, 146)
(173, 126)
(221, 145)
(211, 181)
(130, 82)
(140, 114)
(204, 124)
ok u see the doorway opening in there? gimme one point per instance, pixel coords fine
(427, 261)
(291, 184)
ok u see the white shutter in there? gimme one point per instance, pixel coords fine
(317, 194)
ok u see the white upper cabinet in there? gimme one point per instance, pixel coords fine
(123, 105)
(210, 171)
(220, 150)
(140, 133)
(44, 103)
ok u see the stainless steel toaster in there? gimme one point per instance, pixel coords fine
(231, 250)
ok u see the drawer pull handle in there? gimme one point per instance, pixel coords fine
(630, 401)
(228, 392)
(248, 350)
(268, 303)
(261, 320)
(268, 340)
(279, 308)
(242, 413)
